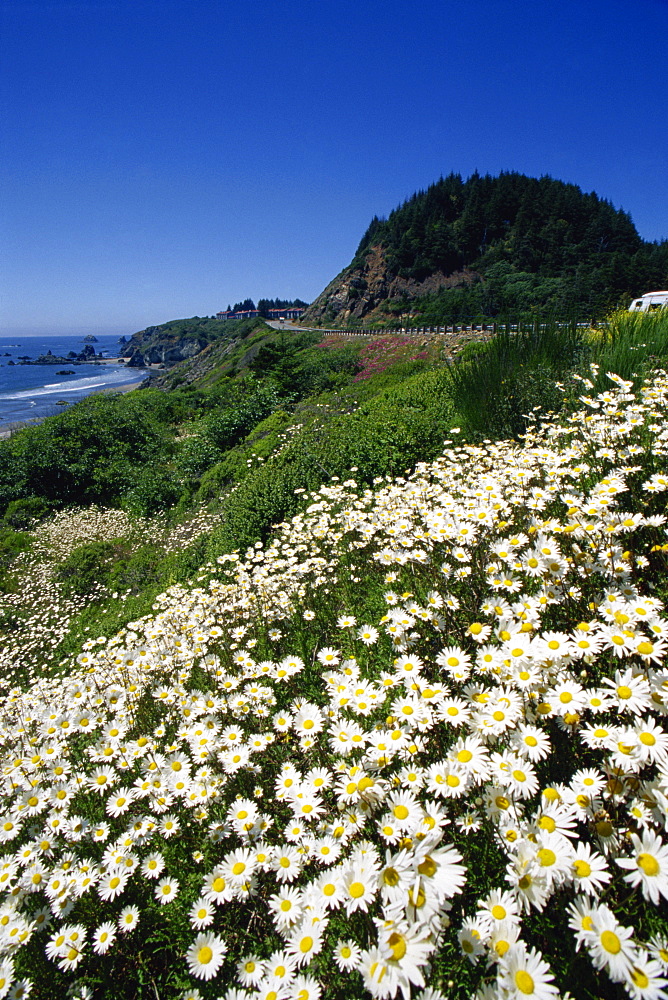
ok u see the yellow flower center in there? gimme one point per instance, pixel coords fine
(611, 943)
(648, 863)
(428, 867)
(546, 857)
(204, 955)
(524, 982)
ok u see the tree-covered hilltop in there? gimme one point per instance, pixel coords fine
(487, 246)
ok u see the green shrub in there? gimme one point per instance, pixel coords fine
(386, 435)
(139, 570)
(90, 453)
(24, 512)
(197, 454)
(221, 476)
(251, 402)
(154, 490)
(86, 566)
(12, 543)
(268, 429)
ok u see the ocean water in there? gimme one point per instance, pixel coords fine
(28, 392)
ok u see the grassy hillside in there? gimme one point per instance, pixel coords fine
(211, 464)
(197, 331)
(349, 677)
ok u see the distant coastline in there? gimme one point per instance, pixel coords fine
(8, 429)
(38, 376)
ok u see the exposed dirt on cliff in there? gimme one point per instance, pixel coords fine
(360, 293)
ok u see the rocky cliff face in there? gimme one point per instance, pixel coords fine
(156, 346)
(196, 368)
(162, 353)
(179, 340)
(357, 293)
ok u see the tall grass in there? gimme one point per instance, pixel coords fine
(495, 385)
(630, 344)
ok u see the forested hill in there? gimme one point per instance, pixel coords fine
(492, 245)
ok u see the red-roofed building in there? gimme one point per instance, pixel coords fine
(288, 313)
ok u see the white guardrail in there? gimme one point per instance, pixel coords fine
(491, 328)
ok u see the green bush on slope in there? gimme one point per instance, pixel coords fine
(384, 436)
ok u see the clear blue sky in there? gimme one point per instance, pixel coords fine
(162, 158)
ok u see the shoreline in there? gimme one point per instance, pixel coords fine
(13, 426)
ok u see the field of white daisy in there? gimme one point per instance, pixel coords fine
(415, 746)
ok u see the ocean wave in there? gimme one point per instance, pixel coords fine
(80, 385)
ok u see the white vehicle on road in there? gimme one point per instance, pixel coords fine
(649, 302)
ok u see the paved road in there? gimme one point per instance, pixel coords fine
(285, 324)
